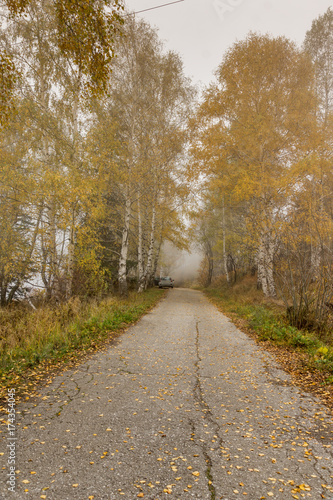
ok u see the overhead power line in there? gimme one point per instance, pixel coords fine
(157, 7)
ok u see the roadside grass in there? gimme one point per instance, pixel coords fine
(32, 342)
(267, 319)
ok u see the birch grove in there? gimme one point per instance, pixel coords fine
(92, 165)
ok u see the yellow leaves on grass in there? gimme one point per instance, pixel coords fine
(322, 351)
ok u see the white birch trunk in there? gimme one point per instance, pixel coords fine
(270, 249)
(140, 256)
(266, 266)
(150, 250)
(70, 258)
(157, 256)
(122, 270)
(262, 281)
(225, 258)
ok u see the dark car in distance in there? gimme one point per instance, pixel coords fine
(166, 282)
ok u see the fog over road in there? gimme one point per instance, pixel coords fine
(183, 405)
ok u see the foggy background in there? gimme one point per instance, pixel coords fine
(181, 265)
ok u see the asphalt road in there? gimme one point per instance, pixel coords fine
(184, 405)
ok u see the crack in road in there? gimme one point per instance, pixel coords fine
(70, 399)
(208, 417)
(199, 394)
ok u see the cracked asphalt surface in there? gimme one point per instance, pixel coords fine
(183, 405)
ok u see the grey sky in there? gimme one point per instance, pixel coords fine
(202, 30)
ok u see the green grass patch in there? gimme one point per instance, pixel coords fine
(269, 322)
(29, 339)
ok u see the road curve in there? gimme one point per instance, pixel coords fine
(183, 405)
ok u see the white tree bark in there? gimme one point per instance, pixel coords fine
(148, 274)
(225, 257)
(270, 249)
(122, 270)
(140, 255)
(262, 282)
(157, 255)
(70, 258)
(265, 261)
